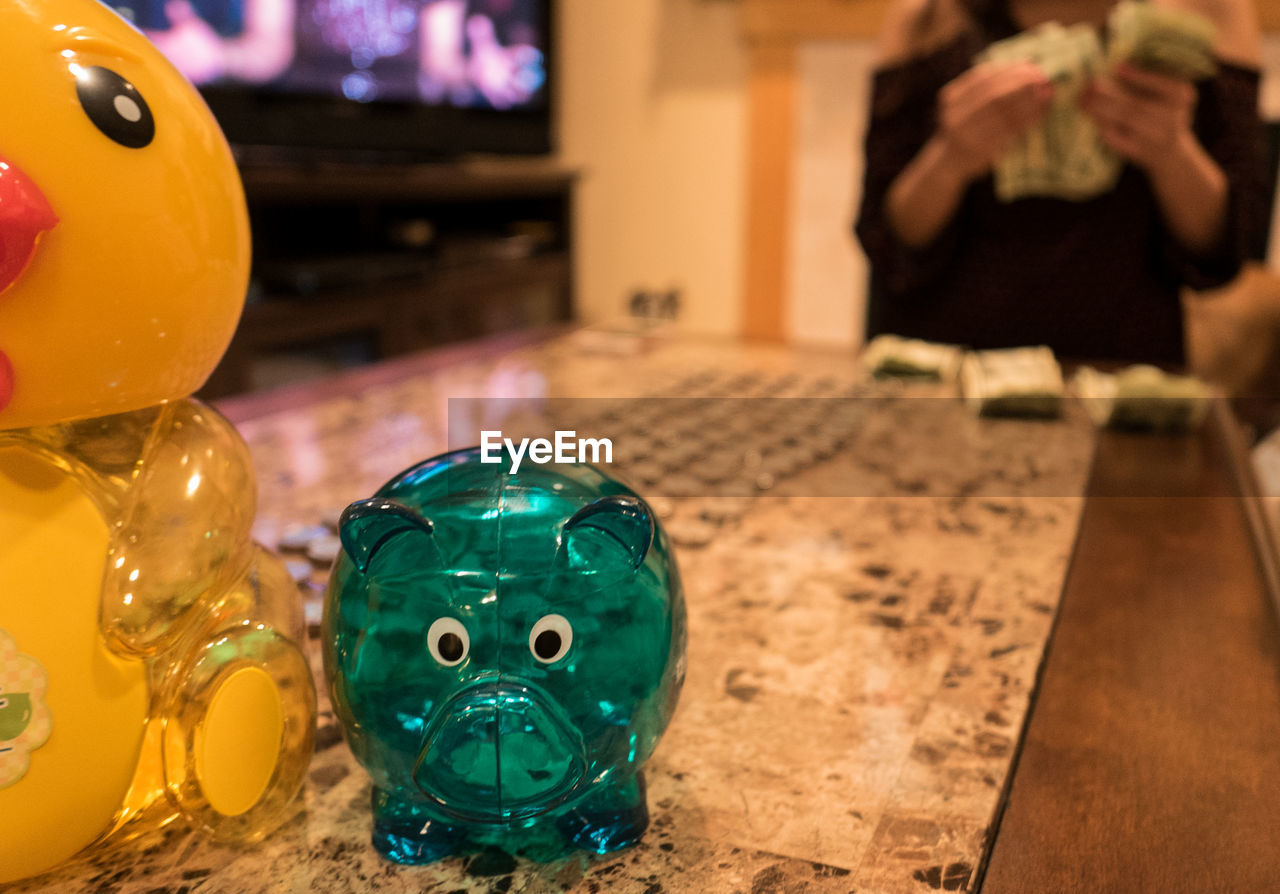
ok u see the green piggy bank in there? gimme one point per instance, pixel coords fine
(504, 651)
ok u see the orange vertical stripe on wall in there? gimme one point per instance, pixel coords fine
(771, 116)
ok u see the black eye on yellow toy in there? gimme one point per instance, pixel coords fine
(115, 106)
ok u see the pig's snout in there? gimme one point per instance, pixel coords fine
(499, 751)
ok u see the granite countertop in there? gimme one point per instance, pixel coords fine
(865, 621)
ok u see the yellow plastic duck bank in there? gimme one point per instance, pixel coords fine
(148, 666)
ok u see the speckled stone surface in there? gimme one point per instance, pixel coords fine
(859, 666)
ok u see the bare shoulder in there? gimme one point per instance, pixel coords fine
(915, 27)
(1239, 38)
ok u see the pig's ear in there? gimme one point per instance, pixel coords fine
(367, 525)
(608, 529)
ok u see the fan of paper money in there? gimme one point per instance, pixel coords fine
(1063, 156)
(1169, 41)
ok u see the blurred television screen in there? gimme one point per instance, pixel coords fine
(459, 53)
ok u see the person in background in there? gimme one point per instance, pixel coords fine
(1098, 278)
(242, 40)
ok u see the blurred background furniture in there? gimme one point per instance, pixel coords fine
(357, 263)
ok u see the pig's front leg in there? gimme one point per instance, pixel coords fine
(404, 833)
(609, 819)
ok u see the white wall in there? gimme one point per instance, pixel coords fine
(652, 108)
(827, 282)
(1269, 103)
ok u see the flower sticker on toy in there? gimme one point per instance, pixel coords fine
(25, 721)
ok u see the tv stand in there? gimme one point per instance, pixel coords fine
(399, 257)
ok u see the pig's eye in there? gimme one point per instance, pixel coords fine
(448, 641)
(550, 638)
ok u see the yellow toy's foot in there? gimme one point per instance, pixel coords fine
(240, 733)
(238, 744)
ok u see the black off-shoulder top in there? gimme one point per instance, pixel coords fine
(1097, 279)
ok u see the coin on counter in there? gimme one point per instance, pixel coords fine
(647, 472)
(722, 510)
(690, 532)
(313, 612)
(752, 458)
(642, 445)
(711, 471)
(662, 507)
(780, 465)
(737, 488)
(323, 550)
(682, 484)
(298, 537)
(716, 412)
(823, 446)
(611, 415)
(685, 454)
(332, 516)
(783, 383)
(805, 455)
(298, 569)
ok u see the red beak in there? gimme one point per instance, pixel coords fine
(24, 214)
(6, 380)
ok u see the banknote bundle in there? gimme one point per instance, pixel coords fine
(1064, 156)
(1168, 41)
(1013, 382)
(1143, 398)
(892, 356)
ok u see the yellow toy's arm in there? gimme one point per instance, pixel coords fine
(182, 534)
(101, 453)
(174, 484)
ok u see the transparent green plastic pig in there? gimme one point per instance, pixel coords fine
(504, 652)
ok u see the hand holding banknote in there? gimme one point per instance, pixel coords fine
(1144, 116)
(1130, 100)
(983, 111)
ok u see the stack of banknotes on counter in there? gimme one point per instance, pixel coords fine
(1064, 156)
(1142, 398)
(1028, 382)
(889, 356)
(1013, 382)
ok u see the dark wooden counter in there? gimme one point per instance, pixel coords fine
(1151, 760)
